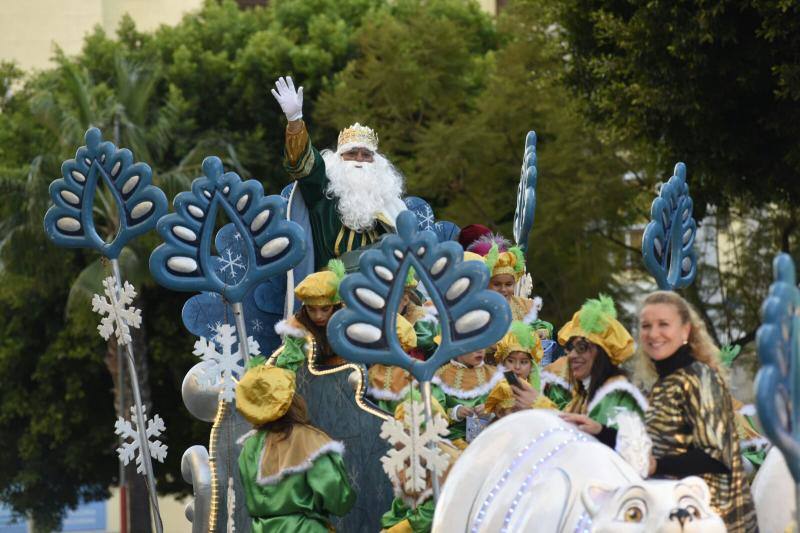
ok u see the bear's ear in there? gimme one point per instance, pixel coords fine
(697, 487)
(595, 496)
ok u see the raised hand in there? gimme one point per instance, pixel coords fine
(290, 100)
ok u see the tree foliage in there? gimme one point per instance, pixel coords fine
(714, 84)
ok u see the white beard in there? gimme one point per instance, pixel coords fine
(363, 190)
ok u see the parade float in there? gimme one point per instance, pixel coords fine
(527, 471)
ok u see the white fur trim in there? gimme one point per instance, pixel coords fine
(246, 436)
(616, 386)
(533, 314)
(758, 444)
(383, 394)
(454, 413)
(748, 410)
(486, 388)
(284, 329)
(546, 378)
(431, 315)
(333, 446)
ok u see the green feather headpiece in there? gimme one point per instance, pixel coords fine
(492, 257)
(519, 266)
(596, 314)
(524, 334)
(337, 267)
(411, 278)
(729, 353)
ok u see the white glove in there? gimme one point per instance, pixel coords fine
(290, 100)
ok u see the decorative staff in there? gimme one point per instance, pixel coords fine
(270, 245)
(526, 194)
(70, 223)
(778, 380)
(470, 316)
(668, 241)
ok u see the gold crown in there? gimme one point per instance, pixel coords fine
(358, 135)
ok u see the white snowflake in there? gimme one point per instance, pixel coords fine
(119, 315)
(237, 236)
(230, 262)
(427, 218)
(416, 445)
(227, 365)
(129, 450)
(213, 329)
(256, 324)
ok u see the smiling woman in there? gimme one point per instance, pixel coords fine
(691, 417)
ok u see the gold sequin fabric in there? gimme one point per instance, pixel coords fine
(692, 408)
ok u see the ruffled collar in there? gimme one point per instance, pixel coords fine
(680, 359)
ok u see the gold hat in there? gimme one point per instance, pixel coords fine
(472, 256)
(510, 262)
(406, 334)
(264, 394)
(521, 337)
(597, 322)
(322, 288)
(357, 136)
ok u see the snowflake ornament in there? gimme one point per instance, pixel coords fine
(227, 365)
(119, 315)
(416, 445)
(231, 262)
(124, 428)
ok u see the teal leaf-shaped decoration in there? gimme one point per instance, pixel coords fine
(470, 316)
(668, 241)
(271, 245)
(778, 380)
(69, 221)
(526, 194)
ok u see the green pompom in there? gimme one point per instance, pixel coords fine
(596, 314)
(337, 267)
(542, 324)
(519, 266)
(492, 257)
(524, 334)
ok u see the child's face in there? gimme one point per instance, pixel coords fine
(473, 358)
(520, 364)
(504, 284)
(320, 314)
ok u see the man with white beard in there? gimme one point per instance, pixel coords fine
(352, 195)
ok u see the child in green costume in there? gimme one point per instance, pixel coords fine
(293, 474)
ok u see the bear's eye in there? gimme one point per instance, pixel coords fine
(694, 511)
(633, 514)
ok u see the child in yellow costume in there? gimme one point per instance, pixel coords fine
(319, 293)
(411, 512)
(461, 386)
(388, 385)
(506, 268)
(293, 474)
(520, 352)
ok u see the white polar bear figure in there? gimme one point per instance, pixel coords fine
(773, 494)
(531, 471)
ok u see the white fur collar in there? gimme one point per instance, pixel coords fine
(431, 314)
(758, 443)
(533, 314)
(614, 386)
(486, 388)
(285, 329)
(333, 446)
(546, 378)
(748, 410)
(383, 394)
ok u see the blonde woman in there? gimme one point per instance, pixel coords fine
(690, 417)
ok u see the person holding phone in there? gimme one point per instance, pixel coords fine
(519, 353)
(596, 345)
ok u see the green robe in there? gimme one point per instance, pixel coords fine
(615, 394)
(299, 502)
(331, 238)
(556, 389)
(449, 397)
(420, 519)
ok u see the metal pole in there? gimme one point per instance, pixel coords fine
(241, 331)
(426, 398)
(144, 447)
(123, 492)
